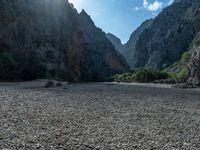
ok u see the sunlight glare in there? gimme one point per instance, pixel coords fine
(76, 3)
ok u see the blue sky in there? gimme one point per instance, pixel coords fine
(120, 17)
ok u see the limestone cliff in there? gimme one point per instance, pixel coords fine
(168, 36)
(50, 37)
(194, 69)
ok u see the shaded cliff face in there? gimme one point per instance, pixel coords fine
(116, 42)
(99, 53)
(170, 34)
(118, 45)
(64, 44)
(130, 46)
(128, 49)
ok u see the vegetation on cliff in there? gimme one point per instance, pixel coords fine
(178, 72)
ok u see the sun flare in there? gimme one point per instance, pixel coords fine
(76, 3)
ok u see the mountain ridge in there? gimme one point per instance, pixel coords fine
(169, 36)
(160, 42)
(59, 39)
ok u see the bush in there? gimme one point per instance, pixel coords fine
(149, 75)
(30, 66)
(23, 65)
(8, 66)
(197, 41)
(140, 75)
(185, 59)
(180, 76)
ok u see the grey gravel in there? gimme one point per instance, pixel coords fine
(98, 116)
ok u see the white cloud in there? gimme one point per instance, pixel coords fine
(152, 6)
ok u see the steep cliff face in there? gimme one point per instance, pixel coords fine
(99, 54)
(130, 46)
(194, 70)
(64, 44)
(128, 49)
(170, 34)
(116, 42)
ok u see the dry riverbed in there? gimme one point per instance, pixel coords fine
(98, 116)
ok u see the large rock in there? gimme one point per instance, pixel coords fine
(50, 35)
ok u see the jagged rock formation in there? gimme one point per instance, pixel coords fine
(169, 35)
(50, 37)
(194, 70)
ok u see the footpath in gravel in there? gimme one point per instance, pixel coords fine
(98, 116)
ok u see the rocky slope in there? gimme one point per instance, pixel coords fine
(194, 69)
(45, 37)
(170, 34)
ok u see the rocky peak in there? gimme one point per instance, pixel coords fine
(83, 16)
(83, 12)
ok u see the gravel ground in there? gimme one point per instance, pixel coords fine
(98, 116)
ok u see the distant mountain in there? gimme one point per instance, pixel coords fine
(169, 35)
(116, 42)
(45, 38)
(128, 49)
(130, 46)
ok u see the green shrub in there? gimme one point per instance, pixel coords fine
(197, 41)
(30, 66)
(8, 66)
(149, 75)
(185, 59)
(182, 75)
(23, 65)
(140, 75)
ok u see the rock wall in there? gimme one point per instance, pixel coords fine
(161, 41)
(66, 44)
(194, 70)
